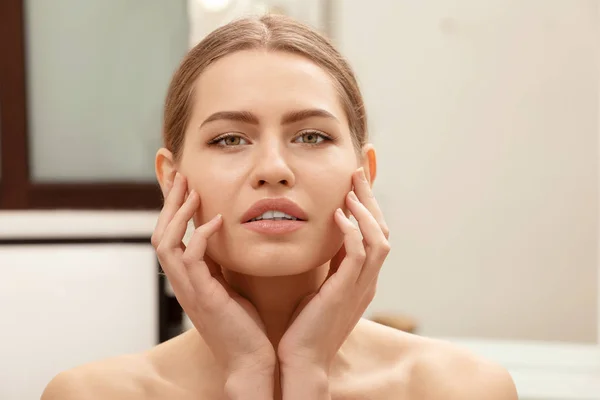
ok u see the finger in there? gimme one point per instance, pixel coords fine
(168, 187)
(369, 227)
(178, 277)
(365, 195)
(372, 266)
(351, 265)
(376, 243)
(170, 248)
(173, 202)
(196, 249)
(194, 258)
(175, 231)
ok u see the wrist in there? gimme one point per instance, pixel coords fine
(304, 382)
(243, 383)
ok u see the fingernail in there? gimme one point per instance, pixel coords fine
(353, 196)
(177, 177)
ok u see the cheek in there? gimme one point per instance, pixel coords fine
(331, 183)
(214, 198)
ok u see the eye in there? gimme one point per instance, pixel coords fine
(228, 140)
(312, 137)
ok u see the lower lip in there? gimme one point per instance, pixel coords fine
(272, 227)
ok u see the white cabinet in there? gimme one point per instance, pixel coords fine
(62, 305)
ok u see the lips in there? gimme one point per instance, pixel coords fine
(275, 204)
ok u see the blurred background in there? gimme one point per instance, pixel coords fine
(485, 115)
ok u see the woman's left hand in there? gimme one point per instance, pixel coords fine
(323, 321)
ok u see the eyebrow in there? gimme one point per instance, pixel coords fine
(288, 118)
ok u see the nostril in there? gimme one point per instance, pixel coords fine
(263, 182)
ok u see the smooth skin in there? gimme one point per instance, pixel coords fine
(277, 317)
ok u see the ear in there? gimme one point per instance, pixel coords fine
(165, 169)
(369, 162)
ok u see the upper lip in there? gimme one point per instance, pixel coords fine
(275, 204)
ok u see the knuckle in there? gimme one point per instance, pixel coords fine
(386, 231)
(200, 231)
(161, 250)
(385, 247)
(207, 302)
(362, 255)
(155, 241)
(359, 254)
(356, 235)
(187, 259)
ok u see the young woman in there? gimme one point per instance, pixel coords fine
(266, 150)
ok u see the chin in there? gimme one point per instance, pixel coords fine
(274, 259)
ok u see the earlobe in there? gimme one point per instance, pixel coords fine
(165, 169)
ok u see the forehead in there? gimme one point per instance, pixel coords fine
(260, 80)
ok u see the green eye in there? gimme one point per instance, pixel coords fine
(311, 137)
(232, 140)
(228, 140)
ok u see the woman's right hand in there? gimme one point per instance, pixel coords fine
(228, 323)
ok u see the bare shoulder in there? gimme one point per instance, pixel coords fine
(442, 370)
(124, 377)
(431, 369)
(178, 368)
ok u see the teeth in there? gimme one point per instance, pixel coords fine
(274, 215)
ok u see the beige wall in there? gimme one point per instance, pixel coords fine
(485, 116)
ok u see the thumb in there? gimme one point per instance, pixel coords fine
(335, 262)
(300, 307)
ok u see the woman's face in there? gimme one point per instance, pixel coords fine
(269, 125)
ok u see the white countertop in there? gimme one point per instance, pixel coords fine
(544, 370)
(74, 223)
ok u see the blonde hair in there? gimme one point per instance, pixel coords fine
(270, 32)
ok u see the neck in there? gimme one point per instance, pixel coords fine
(276, 297)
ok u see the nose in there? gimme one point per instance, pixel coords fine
(271, 168)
